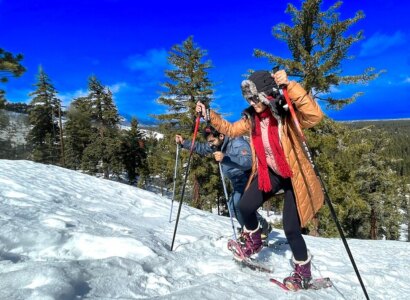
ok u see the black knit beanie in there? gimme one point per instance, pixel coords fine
(263, 82)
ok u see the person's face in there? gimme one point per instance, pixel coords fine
(215, 141)
(256, 103)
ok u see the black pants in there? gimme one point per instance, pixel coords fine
(253, 198)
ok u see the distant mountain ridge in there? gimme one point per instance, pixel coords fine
(14, 127)
(373, 120)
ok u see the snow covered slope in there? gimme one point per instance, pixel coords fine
(66, 235)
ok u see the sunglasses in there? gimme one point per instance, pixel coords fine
(254, 98)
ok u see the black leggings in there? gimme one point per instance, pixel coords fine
(253, 198)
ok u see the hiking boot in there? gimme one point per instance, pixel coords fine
(301, 275)
(251, 241)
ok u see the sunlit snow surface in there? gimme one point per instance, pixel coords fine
(66, 235)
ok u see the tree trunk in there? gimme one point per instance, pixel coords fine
(218, 207)
(373, 229)
(408, 217)
(196, 197)
(60, 124)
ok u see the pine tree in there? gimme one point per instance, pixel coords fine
(2, 99)
(378, 186)
(103, 153)
(188, 82)
(5, 143)
(78, 131)
(158, 162)
(359, 179)
(104, 111)
(319, 43)
(43, 137)
(10, 65)
(133, 152)
(404, 194)
(333, 156)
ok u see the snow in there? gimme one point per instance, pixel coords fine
(15, 127)
(152, 134)
(148, 133)
(67, 235)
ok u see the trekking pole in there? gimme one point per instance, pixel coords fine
(227, 200)
(198, 119)
(305, 147)
(175, 179)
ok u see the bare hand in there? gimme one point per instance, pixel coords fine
(219, 156)
(281, 78)
(200, 108)
(179, 139)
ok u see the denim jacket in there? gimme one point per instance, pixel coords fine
(237, 161)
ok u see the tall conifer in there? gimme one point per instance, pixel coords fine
(78, 131)
(43, 137)
(133, 152)
(102, 154)
(319, 42)
(187, 83)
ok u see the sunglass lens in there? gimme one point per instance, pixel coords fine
(254, 99)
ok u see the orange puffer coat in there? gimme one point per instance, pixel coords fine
(306, 185)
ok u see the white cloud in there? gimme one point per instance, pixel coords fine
(379, 43)
(152, 61)
(116, 87)
(67, 97)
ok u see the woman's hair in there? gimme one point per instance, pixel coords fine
(249, 113)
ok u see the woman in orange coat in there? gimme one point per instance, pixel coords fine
(279, 162)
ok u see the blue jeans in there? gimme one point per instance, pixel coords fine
(233, 206)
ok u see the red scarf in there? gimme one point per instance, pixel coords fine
(273, 135)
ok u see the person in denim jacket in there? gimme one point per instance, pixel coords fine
(235, 157)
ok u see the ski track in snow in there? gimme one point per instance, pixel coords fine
(67, 235)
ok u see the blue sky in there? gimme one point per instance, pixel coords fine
(125, 43)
